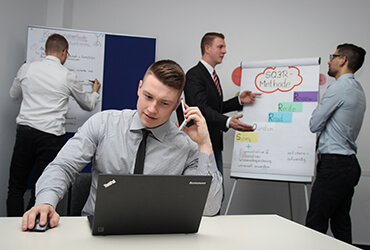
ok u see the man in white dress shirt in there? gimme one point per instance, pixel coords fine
(44, 88)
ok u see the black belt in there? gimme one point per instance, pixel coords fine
(25, 128)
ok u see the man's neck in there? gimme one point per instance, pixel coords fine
(206, 59)
(343, 72)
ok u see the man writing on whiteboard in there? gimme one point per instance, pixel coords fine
(44, 88)
(203, 89)
(338, 117)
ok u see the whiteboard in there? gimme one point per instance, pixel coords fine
(86, 60)
(282, 146)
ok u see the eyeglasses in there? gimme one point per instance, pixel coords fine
(68, 54)
(332, 56)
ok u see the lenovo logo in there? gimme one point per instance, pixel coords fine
(197, 183)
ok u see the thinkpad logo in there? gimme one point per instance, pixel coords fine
(110, 183)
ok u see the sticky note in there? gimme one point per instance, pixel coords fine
(246, 137)
(290, 107)
(306, 96)
(280, 117)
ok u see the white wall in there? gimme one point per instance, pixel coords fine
(254, 30)
(14, 17)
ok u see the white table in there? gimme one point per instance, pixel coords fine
(220, 232)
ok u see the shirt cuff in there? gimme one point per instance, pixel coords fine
(207, 161)
(228, 122)
(47, 198)
(96, 94)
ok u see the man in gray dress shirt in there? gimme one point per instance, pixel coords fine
(338, 118)
(111, 139)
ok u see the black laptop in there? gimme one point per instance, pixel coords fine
(149, 204)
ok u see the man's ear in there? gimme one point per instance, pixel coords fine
(64, 52)
(206, 48)
(177, 104)
(343, 60)
(140, 85)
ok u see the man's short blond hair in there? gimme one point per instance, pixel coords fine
(169, 73)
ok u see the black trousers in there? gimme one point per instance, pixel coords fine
(331, 195)
(33, 148)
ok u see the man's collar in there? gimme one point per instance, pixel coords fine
(53, 58)
(208, 66)
(158, 132)
(346, 76)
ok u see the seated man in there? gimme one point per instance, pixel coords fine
(111, 139)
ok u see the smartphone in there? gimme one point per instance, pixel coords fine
(180, 115)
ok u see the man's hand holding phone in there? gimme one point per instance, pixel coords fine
(197, 132)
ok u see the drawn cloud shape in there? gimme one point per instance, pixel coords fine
(283, 79)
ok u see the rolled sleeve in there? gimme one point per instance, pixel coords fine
(331, 101)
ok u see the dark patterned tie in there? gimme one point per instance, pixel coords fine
(140, 155)
(215, 78)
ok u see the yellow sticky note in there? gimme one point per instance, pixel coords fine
(246, 137)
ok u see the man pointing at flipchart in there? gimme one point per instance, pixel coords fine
(203, 89)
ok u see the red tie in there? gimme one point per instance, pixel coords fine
(215, 78)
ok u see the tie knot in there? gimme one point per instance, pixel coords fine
(145, 133)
